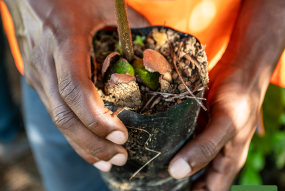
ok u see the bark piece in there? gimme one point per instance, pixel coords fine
(124, 89)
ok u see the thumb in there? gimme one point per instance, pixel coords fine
(197, 153)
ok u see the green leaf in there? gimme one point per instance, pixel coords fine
(282, 119)
(255, 159)
(272, 108)
(280, 160)
(258, 161)
(250, 177)
(139, 40)
(279, 149)
(150, 79)
(283, 96)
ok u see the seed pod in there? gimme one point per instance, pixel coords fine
(114, 64)
(155, 62)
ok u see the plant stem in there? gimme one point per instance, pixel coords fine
(124, 30)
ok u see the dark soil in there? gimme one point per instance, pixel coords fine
(191, 63)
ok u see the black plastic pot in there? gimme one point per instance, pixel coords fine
(163, 132)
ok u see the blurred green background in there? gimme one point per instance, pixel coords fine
(266, 157)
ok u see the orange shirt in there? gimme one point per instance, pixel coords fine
(10, 32)
(211, 21)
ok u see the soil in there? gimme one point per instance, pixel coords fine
(187, 52)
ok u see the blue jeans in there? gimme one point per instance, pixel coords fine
(9, 112)
(60, 167)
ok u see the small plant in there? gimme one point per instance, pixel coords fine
(156, 82)
(147, 70)
(139, 40)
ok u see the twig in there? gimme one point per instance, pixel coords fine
(197, 88)
(196, 63)
(174, 63)
(158, 153)
(182, 95)
(193, 61)
(147, 103)
(156, 101)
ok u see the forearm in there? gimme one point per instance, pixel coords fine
(257, 41)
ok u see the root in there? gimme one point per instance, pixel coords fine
(158, 153)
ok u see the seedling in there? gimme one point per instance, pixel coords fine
(139, 40)
(147, 71)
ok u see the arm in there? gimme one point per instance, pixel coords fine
(55, 39)
(237, 87)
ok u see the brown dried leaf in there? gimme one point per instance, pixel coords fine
(155, 62)
(113, 57)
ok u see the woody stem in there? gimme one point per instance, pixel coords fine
(124, 30)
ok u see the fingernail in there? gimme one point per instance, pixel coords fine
(117, 137)
(180, 168)
(103, 166)
(119, 159)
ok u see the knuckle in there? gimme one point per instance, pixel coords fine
(102, 153)
(207, 149)
(64, 118)
(70, 91)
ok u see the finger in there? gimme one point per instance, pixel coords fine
(72, 60)
(101, 165)
(228, 163)
(197, 153)
(70, 125)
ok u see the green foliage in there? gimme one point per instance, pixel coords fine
(250, 177)
(279, 149)
(139, 40)
(150, 79)
(273, 142)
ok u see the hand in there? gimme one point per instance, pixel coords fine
(237, 87)
(55, 41)
(233, 110)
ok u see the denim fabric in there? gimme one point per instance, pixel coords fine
(9, 112)
(60, 167)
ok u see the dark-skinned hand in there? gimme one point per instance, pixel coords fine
(55, 39)
(236, 91)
